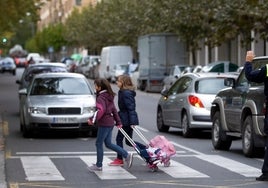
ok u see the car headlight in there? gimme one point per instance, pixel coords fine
(89, 110)
(37, 110)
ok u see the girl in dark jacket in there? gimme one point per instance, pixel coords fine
(106, 116)
(127, 113)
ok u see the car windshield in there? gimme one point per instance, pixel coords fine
(60, 86)
(209, 85)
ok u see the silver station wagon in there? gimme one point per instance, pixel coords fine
(57, 101)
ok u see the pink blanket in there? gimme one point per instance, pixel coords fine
(162, 143)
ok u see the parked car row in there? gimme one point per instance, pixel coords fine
(177, 70)
(88, 66)
(227, 104)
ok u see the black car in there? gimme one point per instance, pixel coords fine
(38, 68)
(238, 112)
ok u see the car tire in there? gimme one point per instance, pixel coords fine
(160, 122)
(185, 125)
(248, 143)
(26, 133)
(220, 140)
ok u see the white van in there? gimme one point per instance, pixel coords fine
(111, 56)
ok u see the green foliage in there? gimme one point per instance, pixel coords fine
(114, 22)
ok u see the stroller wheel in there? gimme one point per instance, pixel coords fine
(167, 164)
(154, 169)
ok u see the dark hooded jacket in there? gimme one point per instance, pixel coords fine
(107, 114)
(127, 106)
(258, 76)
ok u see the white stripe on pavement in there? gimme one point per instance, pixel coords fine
(234, 166)
(178, 170)
(40, 169)
(108, 172)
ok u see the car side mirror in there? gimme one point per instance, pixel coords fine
(164, 92)
(23, 91)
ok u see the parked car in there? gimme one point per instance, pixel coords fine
(174, 73)
(70, 63)
(20, 61)
(118, 70)
(87, 64)
(34, 69)
(238, 112)
(187, 103)
(35, 58)
(7, 64)
(220, 66)
(57, 101)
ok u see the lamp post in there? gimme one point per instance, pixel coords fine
(28, 14)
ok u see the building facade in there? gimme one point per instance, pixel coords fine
(57, 11)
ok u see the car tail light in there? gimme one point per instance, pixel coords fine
(195, 101)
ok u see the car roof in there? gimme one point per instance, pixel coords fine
(59, 74)
(56, 64)
(212, 74)
(261, 57)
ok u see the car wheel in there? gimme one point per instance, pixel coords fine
(160, 122)
(186, 130)
(219, 138)
(21, 122)
(27, 133)
(248, 144)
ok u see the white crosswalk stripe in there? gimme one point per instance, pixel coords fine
(234, 166)
(178, 170)
(108, 172)
(42, 168)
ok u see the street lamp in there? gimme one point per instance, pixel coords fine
(31, 23)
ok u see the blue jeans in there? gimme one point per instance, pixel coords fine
(104, 135)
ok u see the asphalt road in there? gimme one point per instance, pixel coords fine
(61, 159)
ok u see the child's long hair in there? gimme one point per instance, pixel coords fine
(126, 82)
(104, 85)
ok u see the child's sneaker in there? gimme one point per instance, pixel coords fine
(94, 168)
(117, 162)
(129, 160)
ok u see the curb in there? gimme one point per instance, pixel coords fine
(3, 183)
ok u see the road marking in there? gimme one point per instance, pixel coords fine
(108, 172)
(40, 169)
(234, 166)
(178, 170)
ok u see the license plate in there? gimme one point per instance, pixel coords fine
(64, 120)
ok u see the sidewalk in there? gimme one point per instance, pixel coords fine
(2, 158)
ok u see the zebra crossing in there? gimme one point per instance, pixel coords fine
(42, 168)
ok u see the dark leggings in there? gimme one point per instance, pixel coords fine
(120, 138)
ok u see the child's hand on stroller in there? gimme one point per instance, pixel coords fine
(119, 126)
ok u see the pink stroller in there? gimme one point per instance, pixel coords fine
(158, 150)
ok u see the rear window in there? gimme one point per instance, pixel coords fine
(40, 70)
(209, 85)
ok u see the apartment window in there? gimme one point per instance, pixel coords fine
(78, 2)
